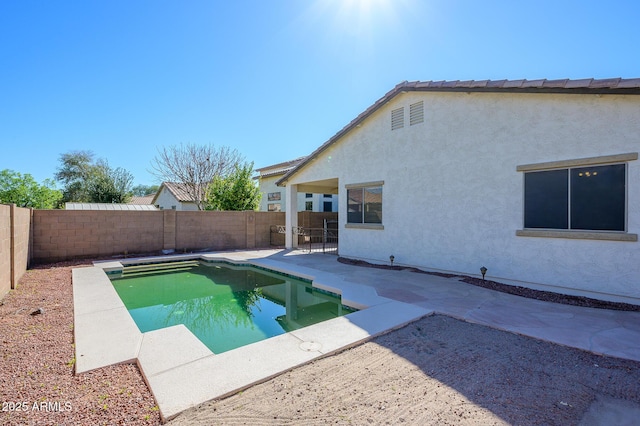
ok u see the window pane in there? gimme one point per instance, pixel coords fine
(546, 199)
(328, 206)
(273, 196)
(598, 198)
(308, 205)
(354, 205)
(373, 205)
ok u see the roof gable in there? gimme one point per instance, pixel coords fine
(278, 169)
(621, 86)
(177, 190)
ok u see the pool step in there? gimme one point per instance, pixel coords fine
(159, 267)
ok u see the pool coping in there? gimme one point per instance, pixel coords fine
(181, 371)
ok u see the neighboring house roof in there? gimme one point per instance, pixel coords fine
(278, 169)
(109, 206)
(621, 86)
(178, 190)
(142, 200)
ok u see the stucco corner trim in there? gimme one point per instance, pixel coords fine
(372, 226)
(606, 159)
(578, 235)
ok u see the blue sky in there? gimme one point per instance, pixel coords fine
(273, 78)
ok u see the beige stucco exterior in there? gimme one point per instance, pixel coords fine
(453, 195)
(268, 188)
(167, 201)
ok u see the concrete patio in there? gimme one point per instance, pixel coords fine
(181, 372)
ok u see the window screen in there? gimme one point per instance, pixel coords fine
(546, 199)
(582, 198)
(598, 198)
(364, 205)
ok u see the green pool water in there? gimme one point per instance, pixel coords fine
(225, 306)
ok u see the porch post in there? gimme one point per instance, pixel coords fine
(291, 216)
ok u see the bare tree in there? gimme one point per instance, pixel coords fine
(195, 167)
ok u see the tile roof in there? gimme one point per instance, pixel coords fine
(142, 200)
(586, 85)
(278, 169)
(286, 164)
(622, 86)
(179, 190)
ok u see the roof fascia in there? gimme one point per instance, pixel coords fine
(155, 197)
(406, 86)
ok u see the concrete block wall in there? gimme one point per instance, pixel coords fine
(5, 249)
(224, 230)
(211, 230)
(263, 222)
(68, 234)
(307, 219)
(21, 242)
(15, 248)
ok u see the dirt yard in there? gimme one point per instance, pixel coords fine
(435, 371)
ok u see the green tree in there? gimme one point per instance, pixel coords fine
(236, 191)
(108, 185)
(24, 191)
(142, 190)
(92, 182)
(75, 172)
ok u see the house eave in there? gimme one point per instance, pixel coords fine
(617, 86)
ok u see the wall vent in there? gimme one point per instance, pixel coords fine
(397, 118)
(416, 113)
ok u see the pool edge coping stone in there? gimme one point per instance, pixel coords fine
(377, 313)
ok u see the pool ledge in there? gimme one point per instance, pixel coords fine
(182, 373)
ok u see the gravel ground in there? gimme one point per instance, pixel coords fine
(434, 371)
(37, 384)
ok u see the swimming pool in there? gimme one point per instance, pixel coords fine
(226, 306)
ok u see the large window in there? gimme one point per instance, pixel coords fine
(589, 198)
(364, 204)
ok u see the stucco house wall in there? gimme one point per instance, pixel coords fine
(268, 186)
(166, 201)
(453, 199)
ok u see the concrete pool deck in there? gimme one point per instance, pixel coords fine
(181, 372)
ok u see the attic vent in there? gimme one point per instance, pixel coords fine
(416, 113)
(397, 118)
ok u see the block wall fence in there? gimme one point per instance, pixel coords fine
(68, 234)
(15, 245)
(42, 236)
